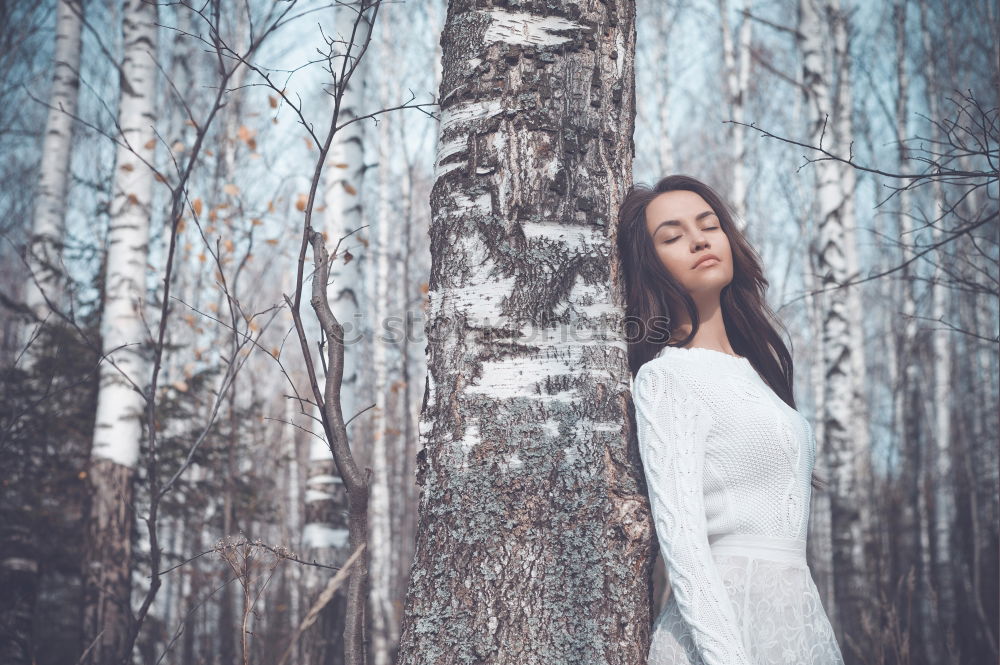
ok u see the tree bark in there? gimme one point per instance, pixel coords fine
(944, 500)
(325, 536)
(533, 541)
(384, 632)
(736, 80)
(43, 252)
(120, 404)
(839, 346)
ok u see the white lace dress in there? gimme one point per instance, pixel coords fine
(728, 467)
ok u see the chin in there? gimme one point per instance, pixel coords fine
(709, 285)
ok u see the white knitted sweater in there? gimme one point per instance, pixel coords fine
(723, 454)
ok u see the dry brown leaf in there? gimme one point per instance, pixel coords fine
(178, 146)
(128, 167)
(350, 189)
(196, 204)
(273, 101)
(229, 245)
(231, 189)
(271, 241)
(150, 144)
(301, 202)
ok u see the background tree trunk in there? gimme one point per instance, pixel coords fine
(736, 80)
(839, 346)
(120, 404)
(44, 247)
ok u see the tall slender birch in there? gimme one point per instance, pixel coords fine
(379, 516)
(532, 542)
(814, 37)
(120, 400)
(325, 534)
(844, 136)
(736, 78)
(915, 539)
(944, 487)
(344, 183)
(43, 253)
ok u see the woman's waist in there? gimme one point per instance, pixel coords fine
(756, 546)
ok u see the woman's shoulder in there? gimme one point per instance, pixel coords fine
(663, 370)
(695, 369)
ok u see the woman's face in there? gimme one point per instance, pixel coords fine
(684, 231)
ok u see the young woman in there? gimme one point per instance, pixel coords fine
(727, 458)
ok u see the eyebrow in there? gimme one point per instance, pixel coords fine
(674, 222)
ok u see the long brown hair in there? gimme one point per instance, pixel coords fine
(651, 291)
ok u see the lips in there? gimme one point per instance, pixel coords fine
(706, 257)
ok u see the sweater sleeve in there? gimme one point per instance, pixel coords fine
(672, 428)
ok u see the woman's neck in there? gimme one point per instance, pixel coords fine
(711, 329)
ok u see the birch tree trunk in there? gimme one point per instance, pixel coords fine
(529, 546)
(325, 539)
(120, 404)
(736, 76)
(19, 566)
(820, 537)
(915, 537)
(860, 435)
(664, 18)
(43, 252)
(839, 345)
(325, 535)
(944, 502)
(379, 512)
(343, 201)
(911, 538)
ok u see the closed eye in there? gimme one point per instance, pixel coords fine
(709, 228)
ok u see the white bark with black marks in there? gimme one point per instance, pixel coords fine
(43, 253)
(123, 373)
(834, 263)
(533, 538)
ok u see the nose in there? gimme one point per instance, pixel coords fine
(699, 240)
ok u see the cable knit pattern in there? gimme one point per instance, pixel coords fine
(728, 466)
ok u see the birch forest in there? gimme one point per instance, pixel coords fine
(310, 318)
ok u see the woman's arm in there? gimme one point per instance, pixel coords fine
(673, 425)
